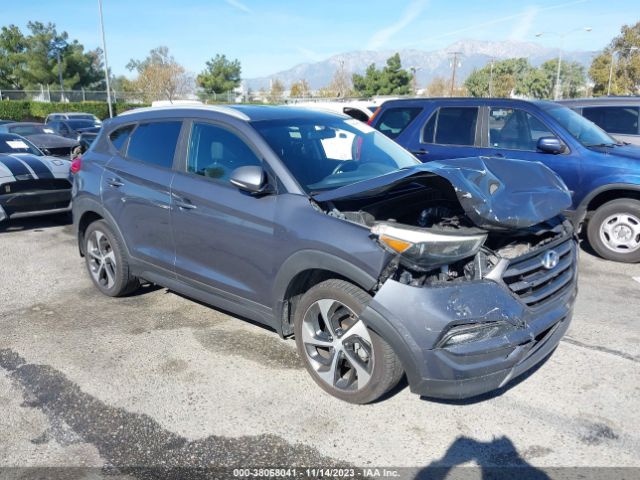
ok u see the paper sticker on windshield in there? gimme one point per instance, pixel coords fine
(48, 130)
(357, 124)
(17, 144)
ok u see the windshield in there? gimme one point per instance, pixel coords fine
(15, 144)
(323, 154)
(92, 118)
(30, 129)
(586, 132)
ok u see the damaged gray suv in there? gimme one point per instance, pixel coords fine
(459, 275)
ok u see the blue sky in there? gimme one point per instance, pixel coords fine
(268, 36)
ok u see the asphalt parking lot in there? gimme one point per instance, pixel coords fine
(157, 379)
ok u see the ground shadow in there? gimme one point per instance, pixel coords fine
(493, 393)
(498, 458)
(35, 223)
(136, 444)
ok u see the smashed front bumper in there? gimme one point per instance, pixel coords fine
(415, 320)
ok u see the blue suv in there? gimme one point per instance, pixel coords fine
(319, 226)
(602, 173)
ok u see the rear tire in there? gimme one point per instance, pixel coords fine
(614, 230)
(343, 356)
(107, 261)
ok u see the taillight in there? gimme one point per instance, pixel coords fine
(373, 116)
(76, 165)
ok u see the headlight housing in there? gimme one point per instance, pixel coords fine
(461, 334)
(424, 248)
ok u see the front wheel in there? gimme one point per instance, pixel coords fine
(343, 356)
(614, 230)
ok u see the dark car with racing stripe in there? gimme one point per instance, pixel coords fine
(42, 137)
(31, 183)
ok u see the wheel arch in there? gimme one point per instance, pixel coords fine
(604, 194)
(303, 270)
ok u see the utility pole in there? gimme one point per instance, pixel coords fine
(453, 72)
(60, 75)
(491, 78)
(106, 64)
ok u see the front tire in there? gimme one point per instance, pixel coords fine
(107, 261)
(614, 230)
(343, 356)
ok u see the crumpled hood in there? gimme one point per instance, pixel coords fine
(495, 193)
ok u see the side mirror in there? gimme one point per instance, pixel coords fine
(550, 145)
(250, 178)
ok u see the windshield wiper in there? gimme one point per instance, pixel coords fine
(609, 145)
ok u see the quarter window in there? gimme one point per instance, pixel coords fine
(395, 120)
(515, 129)
(215, 152)
(119, 137)
(155, 143)
(452, 126)
(622, 120)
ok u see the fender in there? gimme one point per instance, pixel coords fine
(87, 204)
(581, 211)
(315, 259)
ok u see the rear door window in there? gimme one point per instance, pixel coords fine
(623, 120)
(155, 143)
(452, 126)
(395, 120)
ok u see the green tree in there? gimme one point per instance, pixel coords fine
(32, 60)
(507, 78)
(626, 67)
(13, 46)
(438, 87)
(221, 75)
(572, 78)
(391, 80)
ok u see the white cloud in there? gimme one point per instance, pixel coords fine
(498, 20)
(381, 37)
(239, 5)
(522, 28)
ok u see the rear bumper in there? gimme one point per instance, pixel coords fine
(414, 320)
(34, 202)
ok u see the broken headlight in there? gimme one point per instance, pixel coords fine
(423, 248)
(459, 334)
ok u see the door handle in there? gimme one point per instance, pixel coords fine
(115, 182)
(184, 203)
(421, 151)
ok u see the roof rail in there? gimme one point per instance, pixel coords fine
(212, 108)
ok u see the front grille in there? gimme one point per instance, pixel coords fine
(35, 184)
(535, 284)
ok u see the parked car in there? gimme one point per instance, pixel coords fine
(42, 137)
(360, 110)
(377, 264)
(85, 139)
(73, 116)
(603, 174)
(5, 121)
(615, 115)
(31, 183)
(72, 128)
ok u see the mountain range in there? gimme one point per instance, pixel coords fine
(428, 64)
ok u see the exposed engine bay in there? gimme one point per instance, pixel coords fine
(431, 238)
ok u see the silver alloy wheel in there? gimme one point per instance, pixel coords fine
(621, 233)
(337, 345)
(102, 259)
